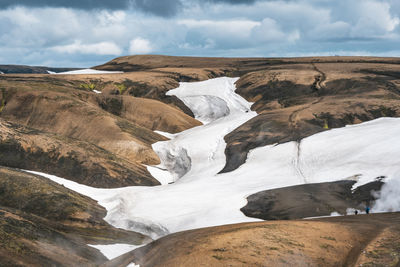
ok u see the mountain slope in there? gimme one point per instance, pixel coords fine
(27, 148)
(43, 223)
(296, 101)
(97, 139)
(371, 240)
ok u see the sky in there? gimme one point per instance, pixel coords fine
(84, 33)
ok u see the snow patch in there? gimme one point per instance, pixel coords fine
(88, 71)
(96, 91)
(160, 174)
(174, 159)
(168, 135)
(114, 250)
(206, 108)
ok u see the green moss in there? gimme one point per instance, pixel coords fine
(326, 126)
(121, 87)
(88, 86)
(2, 105)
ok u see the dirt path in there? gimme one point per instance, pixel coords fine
(319, 79)
(318, 85)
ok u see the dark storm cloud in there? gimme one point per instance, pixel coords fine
(164, 8)
(161, 8)
(233, 2)
(82, 4)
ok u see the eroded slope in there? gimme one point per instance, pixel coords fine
(102, 140)
(43, 223)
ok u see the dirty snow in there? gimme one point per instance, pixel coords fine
(114, 250)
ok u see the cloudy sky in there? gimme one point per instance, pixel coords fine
(83, 33)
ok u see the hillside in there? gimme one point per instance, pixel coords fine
(294, 97)
(172, 144)
(119, 129)
(13, 69)
(43, 223)
(362, 240)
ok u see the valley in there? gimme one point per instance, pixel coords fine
(170, 144)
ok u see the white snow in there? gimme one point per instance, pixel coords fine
(51, 72)
(168, 135)
(133, 265)
(96, 91)
(200, 197)
(114, 250)
(333, 214)
(87, 71)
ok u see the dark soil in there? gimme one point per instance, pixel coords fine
(309, 200)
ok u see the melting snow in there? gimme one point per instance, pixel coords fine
(133, 265)
(199, 197)
(114, 250)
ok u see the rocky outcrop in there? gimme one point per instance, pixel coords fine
(310, 200)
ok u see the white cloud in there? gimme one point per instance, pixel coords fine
(111, 18)
(374, 19)
(264, 28)
(270, 31)
(237, 27)
(140, 46)
(102, 48)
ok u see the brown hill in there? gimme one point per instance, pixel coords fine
(238, 66)
(370, 240)
(101, 140)
(43, 223)
(298, 100)
(80, 161)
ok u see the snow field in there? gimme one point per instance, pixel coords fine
(199, 197)
(114, 250)
(86, 71)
